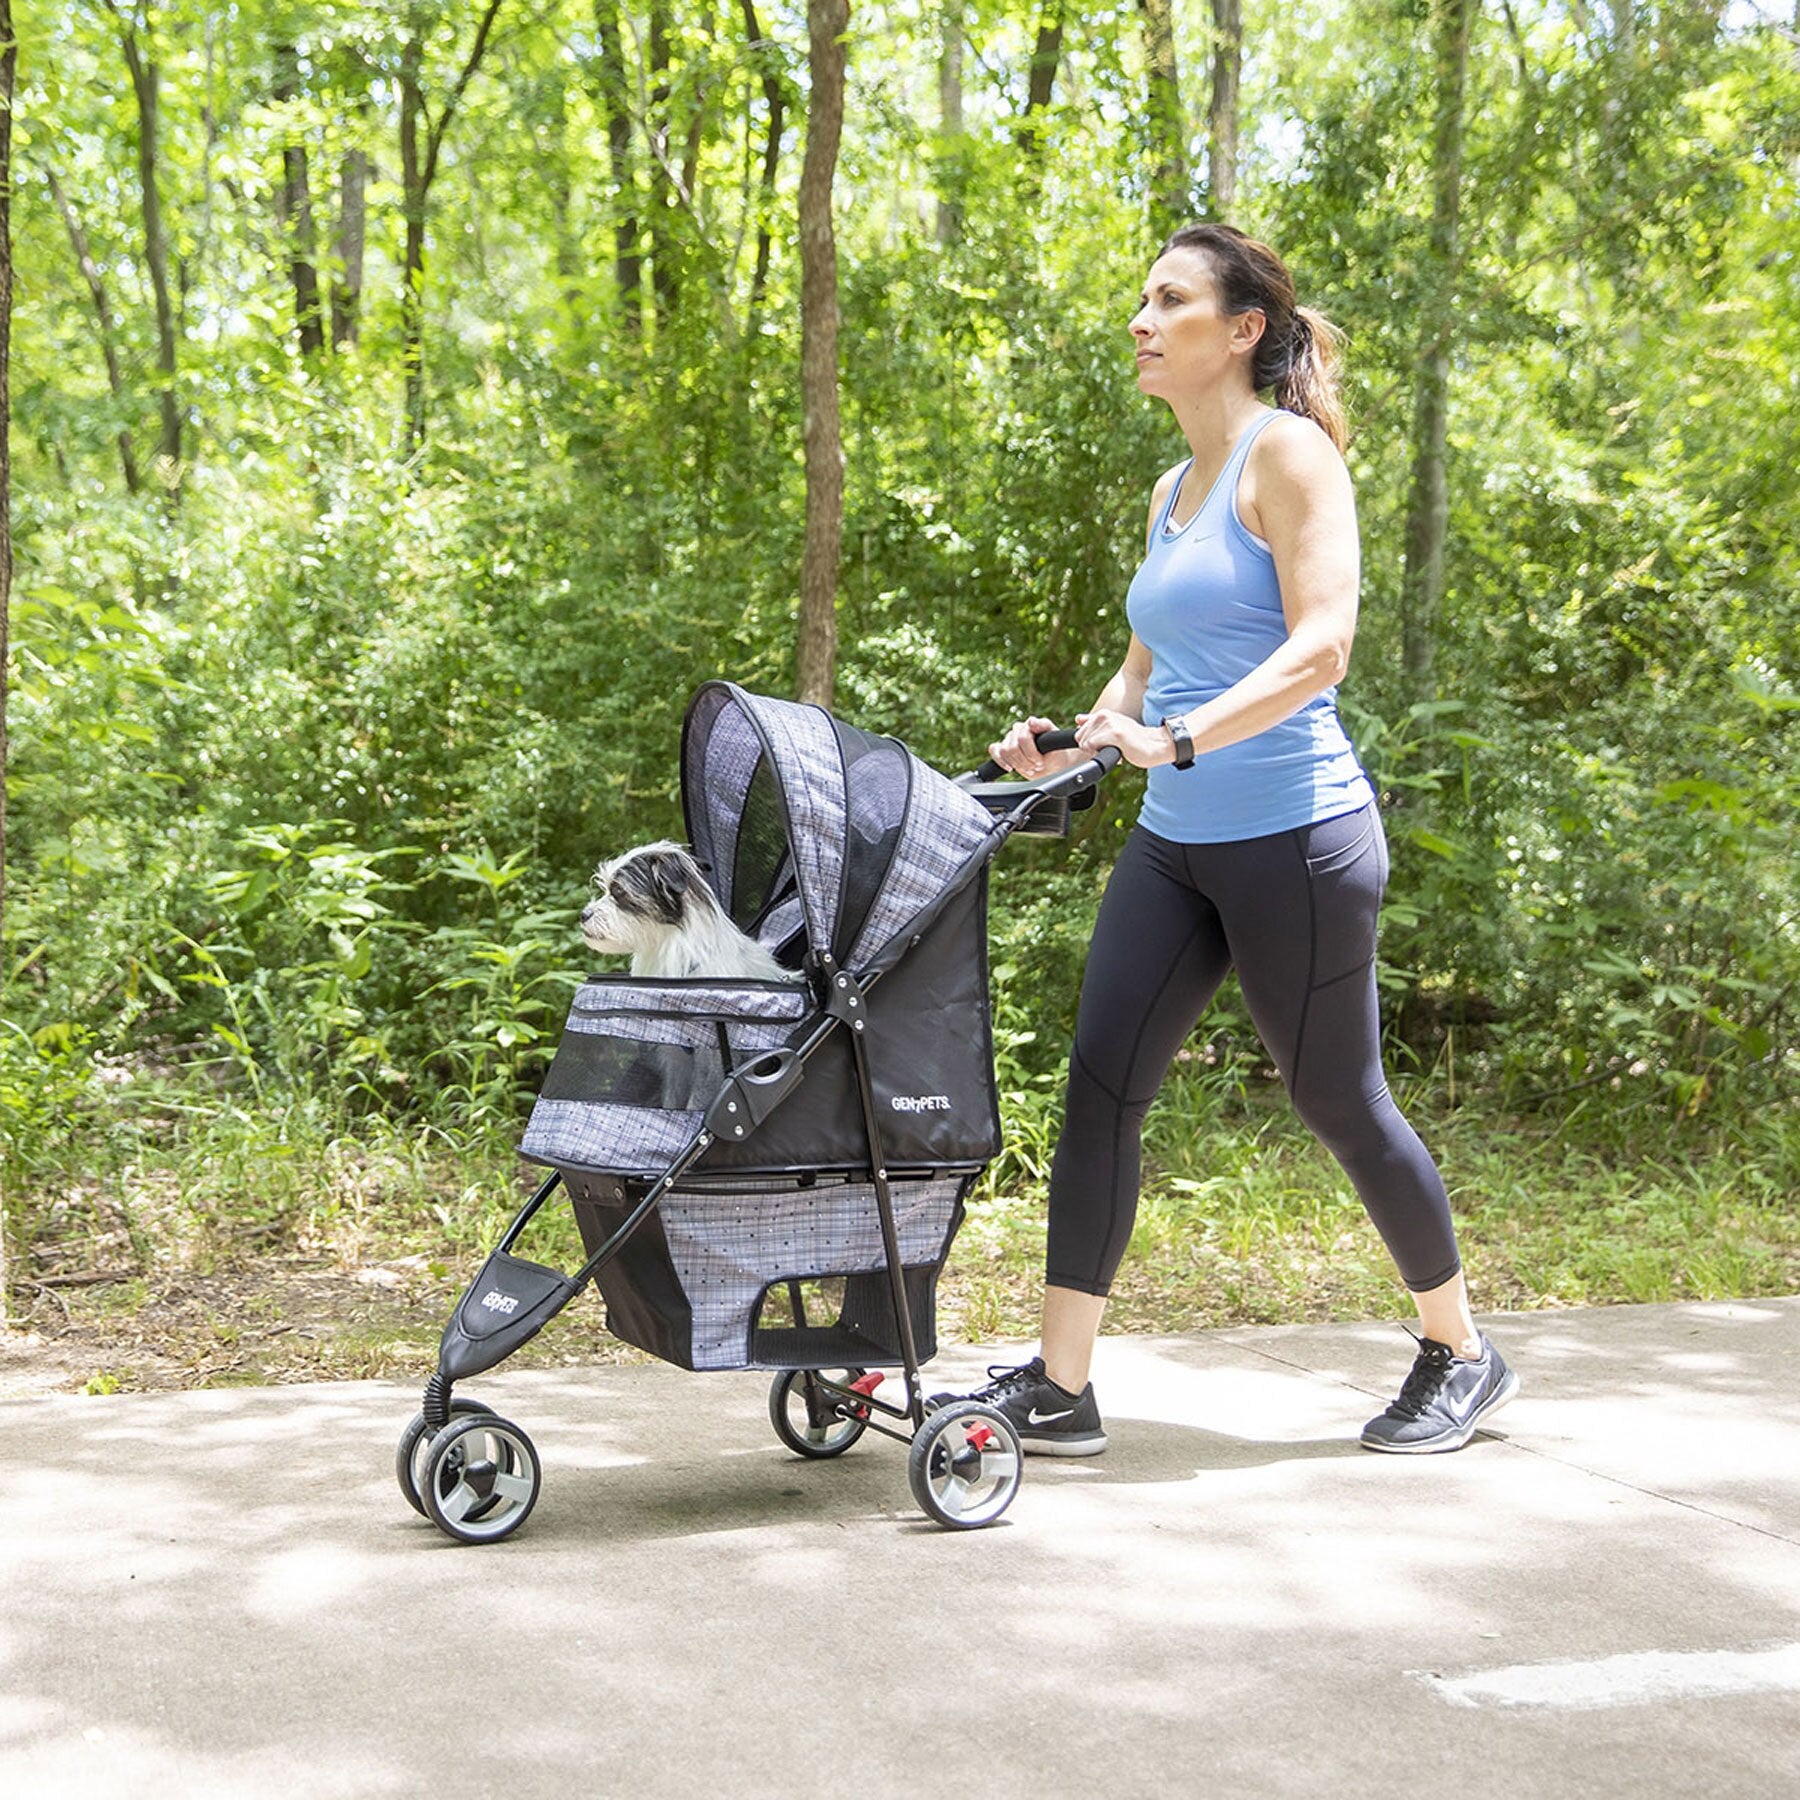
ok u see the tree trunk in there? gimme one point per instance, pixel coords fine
(775, 103)
(665, 279)
(1615, 107)
(687, 191)
(1222, 113)
(347, 280)
(826, 23)
(146, 82)
(615, 101)
(1428, 506)
(418, 169)
(414, 186)
(103, 313)
(9, 69)
(952, 152)
(293, 210)
(554, 159)
(1170, 204)
(1046, 56)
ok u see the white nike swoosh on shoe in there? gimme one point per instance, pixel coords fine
(1473, 1402)
(1034, 1417)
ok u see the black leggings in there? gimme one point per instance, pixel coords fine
(1295, 915)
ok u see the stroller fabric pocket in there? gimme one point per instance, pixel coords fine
(689, 1285)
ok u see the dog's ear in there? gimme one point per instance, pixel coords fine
(668, 882)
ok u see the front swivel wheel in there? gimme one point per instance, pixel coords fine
(964, 1466)
(479, 1479)
(415, 1441)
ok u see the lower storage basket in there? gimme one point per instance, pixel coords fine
(747, 1274)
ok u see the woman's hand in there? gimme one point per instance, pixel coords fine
(1017, 752)
(1143, 746)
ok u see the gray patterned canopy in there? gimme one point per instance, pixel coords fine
(803, 820)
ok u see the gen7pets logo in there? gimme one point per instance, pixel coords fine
(921, 1103)
(495, 1301)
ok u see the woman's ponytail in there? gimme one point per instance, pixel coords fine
(1310, 386)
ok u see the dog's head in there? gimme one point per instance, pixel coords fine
(644, 895)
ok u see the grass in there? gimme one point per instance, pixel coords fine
(207, 1244)
(1243, 1218)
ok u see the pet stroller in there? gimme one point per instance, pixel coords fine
(769, 1174)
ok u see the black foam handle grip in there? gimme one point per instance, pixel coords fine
(1061, 739)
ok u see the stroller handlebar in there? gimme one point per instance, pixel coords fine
(1062, 739)
(1043, 805)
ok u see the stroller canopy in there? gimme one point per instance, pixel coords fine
(803, 821)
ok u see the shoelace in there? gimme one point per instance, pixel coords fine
(1003, 1380)
(1430, 1370)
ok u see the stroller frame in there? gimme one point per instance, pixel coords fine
(477, 1476)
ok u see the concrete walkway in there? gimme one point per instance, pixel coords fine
(223, 1594)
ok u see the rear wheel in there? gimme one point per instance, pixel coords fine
(964, 1466)
(812, 1422)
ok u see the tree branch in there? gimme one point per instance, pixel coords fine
(435, 134)
(96, 286)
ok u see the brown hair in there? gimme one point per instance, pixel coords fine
(1297, 354)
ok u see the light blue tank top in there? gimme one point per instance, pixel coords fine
(1206, 605)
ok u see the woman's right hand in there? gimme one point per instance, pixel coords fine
(1017, 752)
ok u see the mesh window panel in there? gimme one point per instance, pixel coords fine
(877, 778)
(639, 1063)
(625, 1071)
(761, 858)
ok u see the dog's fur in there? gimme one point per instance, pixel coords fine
(656, 904)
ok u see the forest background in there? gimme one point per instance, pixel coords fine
(412, 404)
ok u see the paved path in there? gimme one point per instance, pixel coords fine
(222, 1594)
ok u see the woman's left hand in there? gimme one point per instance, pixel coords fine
(1143, 746)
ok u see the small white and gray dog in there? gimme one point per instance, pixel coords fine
(656, 904)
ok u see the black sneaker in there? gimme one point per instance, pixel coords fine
(1050, 1420)
(1442, 1401)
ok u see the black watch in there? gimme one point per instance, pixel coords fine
(1177, 728)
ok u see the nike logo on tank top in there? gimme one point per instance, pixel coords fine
(1205, 604)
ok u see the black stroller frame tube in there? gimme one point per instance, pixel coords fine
(438, 1388)
(529, 1210)
(701, 1143)
(846, 1000)
(851, 1404)
(697, 1148)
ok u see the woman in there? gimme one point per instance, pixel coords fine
(1259, 846)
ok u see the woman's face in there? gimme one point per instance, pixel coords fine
(1186, 342)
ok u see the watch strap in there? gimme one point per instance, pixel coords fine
(1177, 728)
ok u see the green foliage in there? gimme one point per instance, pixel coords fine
(314, 747)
